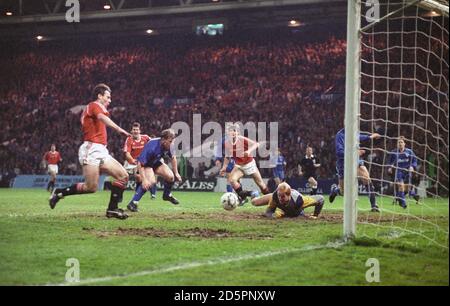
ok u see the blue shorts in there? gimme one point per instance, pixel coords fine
(340, 167)
(279, 174)
(153, 164)
(402, 176)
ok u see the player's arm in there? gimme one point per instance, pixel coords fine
(392, 159)
(317, 165)
(175, 168)
(365, 137)
(106, 120)
(226, 161)
(270, 211)
(144, 175)
(261, 201)
(129, 158)
(413, 165)
(127, 152)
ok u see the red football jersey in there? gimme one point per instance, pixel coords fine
(135, 147)
(52, 158)
(93, 129)
(236, 150)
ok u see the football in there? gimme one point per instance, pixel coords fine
(229, 201)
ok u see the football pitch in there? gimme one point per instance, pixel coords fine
(199, 243)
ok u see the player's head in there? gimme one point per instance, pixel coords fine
(233, 130)
(284, 192)
(53, 147)
(401, 143)
(136, 130)
(102, 93)
(167, 136)
(309, 150)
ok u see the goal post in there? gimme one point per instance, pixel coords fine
(397, 82)
(352, 94)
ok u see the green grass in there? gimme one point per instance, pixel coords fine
(199, 243)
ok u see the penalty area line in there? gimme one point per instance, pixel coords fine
(197, 264)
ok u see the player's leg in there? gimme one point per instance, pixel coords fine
(401, 198)
(140, 191)
(315, 201)
(169, 179)
(313, 184)
(338, 189)
(228, 170)
(256, 175)
(412, 192)
(400, 188)
(91, 175)
(261, 201)
(51, 181)
(229, 187)
(363, 175)
(153, 190)
(235, 176)
(120, 175)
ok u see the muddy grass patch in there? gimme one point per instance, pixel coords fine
(196, 232)
(326, 217)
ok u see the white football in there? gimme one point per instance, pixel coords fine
(229, 201)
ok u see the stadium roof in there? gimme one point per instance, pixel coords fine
(28, 18)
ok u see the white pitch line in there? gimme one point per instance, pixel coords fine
(190, 265)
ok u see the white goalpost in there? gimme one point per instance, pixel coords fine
(397, 85)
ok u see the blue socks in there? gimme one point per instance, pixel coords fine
(229, 188)
(153, 190)
(167, 189)
(138, 194)
(401, 198)
(336, 190)
(371, 191)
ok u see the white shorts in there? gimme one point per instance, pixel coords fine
(94, 154)
(249, 168)
(131, 169)
(52, 168)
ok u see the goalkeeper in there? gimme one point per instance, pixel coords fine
(285, 202)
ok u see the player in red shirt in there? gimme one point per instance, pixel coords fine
(132, 148)
(52, 158)
(241, 149)
(94, 156)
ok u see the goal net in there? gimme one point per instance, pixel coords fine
(403, 93)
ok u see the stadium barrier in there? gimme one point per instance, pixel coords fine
(185, 185)
(41, 181)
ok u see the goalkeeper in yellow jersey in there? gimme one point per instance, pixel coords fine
(285, 202)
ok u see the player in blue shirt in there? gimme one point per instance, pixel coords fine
(151, 163)
(219, 156)
(363, 173)
(403, 162)
(279, 163)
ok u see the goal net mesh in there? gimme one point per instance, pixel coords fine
(404, 92)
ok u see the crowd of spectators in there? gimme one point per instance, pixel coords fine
(293, 79)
